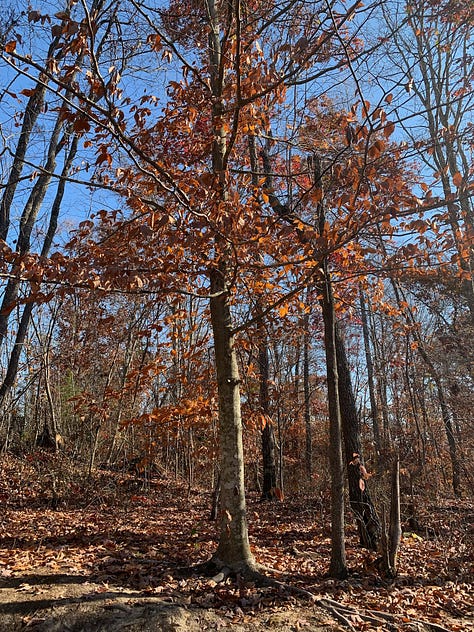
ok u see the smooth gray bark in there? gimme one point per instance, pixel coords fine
(233, 550)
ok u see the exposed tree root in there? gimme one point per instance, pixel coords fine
(337, 615)
(253, 573)
(342, 614)
(256, 575)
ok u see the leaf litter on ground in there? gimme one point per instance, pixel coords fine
(139, 539)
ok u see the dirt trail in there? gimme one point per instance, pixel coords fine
(67, 603)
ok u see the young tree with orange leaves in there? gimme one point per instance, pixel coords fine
(194, 222)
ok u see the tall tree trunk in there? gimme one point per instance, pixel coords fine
(268, 432)
(392, 528)
(32, 111)
(338, 553)
(337, 566)
(367, 520)
(27, 221)
(14, 359)
(447, 421)
(307, 399)
(361, 503)
(374, 409)
(445, 411)
(269, 488)
(233, 550)
(269, 484)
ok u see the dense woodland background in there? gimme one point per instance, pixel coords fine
(240, 233)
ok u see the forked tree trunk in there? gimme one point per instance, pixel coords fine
(27, 223)
(22, 331)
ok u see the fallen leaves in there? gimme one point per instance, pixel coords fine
(142, 539)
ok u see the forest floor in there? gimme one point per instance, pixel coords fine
(114, 554)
